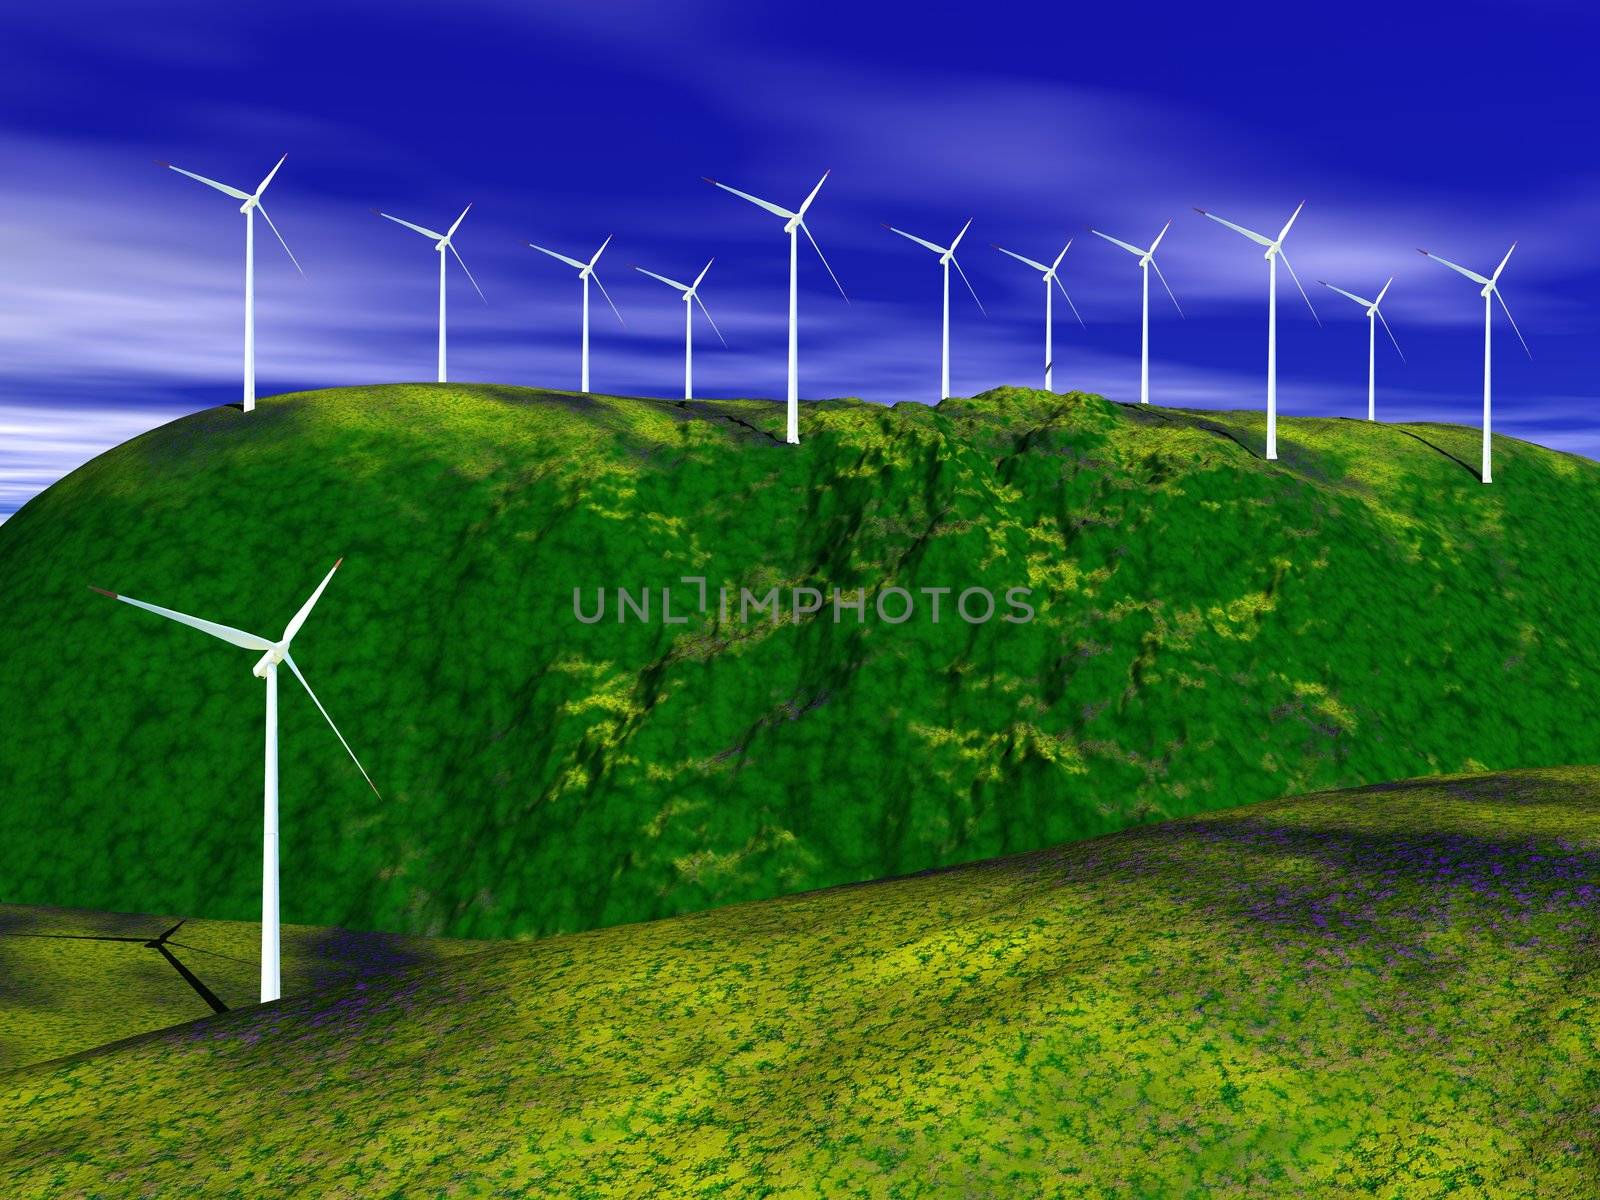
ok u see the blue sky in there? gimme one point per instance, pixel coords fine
(1459, 129)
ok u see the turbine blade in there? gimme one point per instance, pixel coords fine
(1166, 285)
(1062, 255)
(1037, 266)
(1390, 332)
(1382, 293)
(756, 200)
(1070, 304)
(456, 224)
(293, 666)
(1458, 268)
(227, 633)
(418, 228)
(956, 262)
(1159, 236)
(707, 312)
(702, 274)
(1350, 295)
(919, 241)
(1503, 262)
(825, 262)
(1249, 233)
(571, 262)
(221, 187)
(299, 619)
(607, 295)
(1282, 233)
(1131, 249)
(262, 208)
(1513, 321)
(270, 174)
(961, 235)
(600, 251)
(814, 192)
(1303, 295)
(463, 263)
(682, 287)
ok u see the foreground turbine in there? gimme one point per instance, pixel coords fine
(1490, 293)
(1147, 261)
(691, 297)
(1050, 276)
(442, 243)
(272, 653)
(1373, 317)
(1274, 253)
(585, 273)
(252, 202)
(947, 256)
(794, 223)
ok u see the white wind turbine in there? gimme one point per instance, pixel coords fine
(272, 653)
(252, 202)
(691, 297)
(585, 273)
(1490, 293)
(442, 243)
(1050, 276)
(1373, 317)
(1147, 260)
(947, 255)
(794, 223)
(1274, 253)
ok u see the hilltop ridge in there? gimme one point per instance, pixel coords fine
(1209, 629)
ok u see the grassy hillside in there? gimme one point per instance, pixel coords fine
(1212, 629)
(71, 980)
(1388, 992)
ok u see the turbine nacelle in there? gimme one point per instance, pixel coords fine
(270, 660)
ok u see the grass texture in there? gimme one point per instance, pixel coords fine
(1212, 629)
(1387, 992)
(69, 984)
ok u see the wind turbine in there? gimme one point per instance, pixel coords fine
(1490, 293)
(1050, 277)
(691, 297)
(586, 273)
(1373, 317)
(1274, 253)
(272, 653)
(1147, 260)
(794, 222)
(252, 202)
(442, 242)
(946, 257)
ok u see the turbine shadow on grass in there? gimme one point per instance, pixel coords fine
(159, 944)
(1470, 470)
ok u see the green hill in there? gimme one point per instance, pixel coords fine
(1390, 992)
(71, 981)
(1211, 629)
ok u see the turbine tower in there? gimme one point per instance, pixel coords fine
(1373, 317)
(252, 203)
(947, 256)
(1274, 253)
(1050, 276)
(442, 242)
(691, 297)
(272, 653)
(794, 224)
(1147, 260)
(1490, 293)
(585, 273)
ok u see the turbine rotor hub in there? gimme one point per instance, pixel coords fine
(269, 661)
